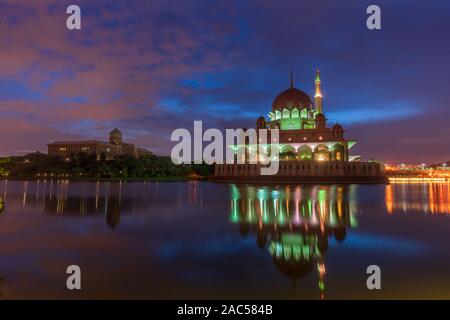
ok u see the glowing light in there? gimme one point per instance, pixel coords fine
(321, 285)
(418, 179)
(389, 199)
(321, 268)
(435, 193)
(351, 143)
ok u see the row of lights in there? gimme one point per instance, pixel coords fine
(55, 175)
(403, 166)
(290, 139)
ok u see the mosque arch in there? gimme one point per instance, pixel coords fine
(277, 114)
(286, 114)
(304, 113)
(272, 151)
(321, 153)
(288, 153)
(338, 152)
(305, 152)
(295, 113)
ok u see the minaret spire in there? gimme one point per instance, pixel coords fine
(292, 80)
(318, 95)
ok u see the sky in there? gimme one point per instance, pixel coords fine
(149, 67)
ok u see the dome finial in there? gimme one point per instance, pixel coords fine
(292, 80)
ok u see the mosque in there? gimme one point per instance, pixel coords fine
(309, 150)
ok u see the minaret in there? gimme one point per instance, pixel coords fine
(318, 95)
(292, 80)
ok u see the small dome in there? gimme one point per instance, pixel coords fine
(320, 117)
(292, 98)
(115, 136)
(261, 123)
(337, 127)
(115, 132)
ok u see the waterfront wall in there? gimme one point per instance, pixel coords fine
(327, 171)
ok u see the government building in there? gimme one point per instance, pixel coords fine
(115, 147)
(309, 149)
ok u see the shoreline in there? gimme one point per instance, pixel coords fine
(384, 180)
(159, 179)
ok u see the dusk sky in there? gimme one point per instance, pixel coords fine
(149, 67)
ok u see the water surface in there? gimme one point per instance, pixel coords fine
(206, 240)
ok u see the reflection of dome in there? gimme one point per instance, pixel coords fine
(293, 268)
(340, 234)
(244, 229)
(292, 98)
(2, 205)
(115, 136)
(294, 254)
(261, 240)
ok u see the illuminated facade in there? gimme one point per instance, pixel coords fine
(308, 148)
(115, 147)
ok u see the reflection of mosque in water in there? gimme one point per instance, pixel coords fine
(295, 223)
(431, 198)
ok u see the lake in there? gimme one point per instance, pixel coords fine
(206, 240)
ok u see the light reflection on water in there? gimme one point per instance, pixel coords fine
(431, 198)
(294, 223)
(307, 241)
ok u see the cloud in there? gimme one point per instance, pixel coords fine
(155, 66)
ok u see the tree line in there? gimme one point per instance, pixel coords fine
(83, 165)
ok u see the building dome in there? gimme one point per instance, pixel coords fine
(115, 131)
(261, 123)
(337, 127)
(292, 98)
(320, 117)
(115, 136)
(321, 120)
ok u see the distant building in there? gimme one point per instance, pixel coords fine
(114, 147)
